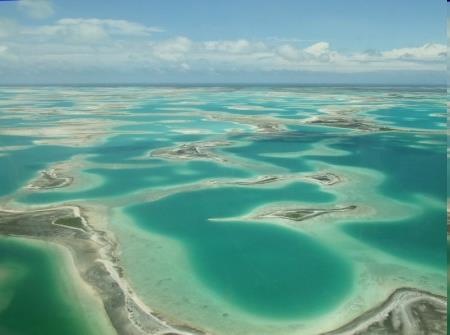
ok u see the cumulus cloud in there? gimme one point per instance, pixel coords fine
(237, 46)
(318, 49)
(289, 52)
(85, 44)
(172, 50)
(427, 52)
(92, 30)
(38, 9)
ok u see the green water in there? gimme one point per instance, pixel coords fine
(419, 239)
(257, 149)
(35, 299)
(21, 165)
(242, 276)
(116, 182)
(409, 172)
(266, 269)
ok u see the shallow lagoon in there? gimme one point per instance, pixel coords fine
(187, 244)
(37, 295)
(266, 269)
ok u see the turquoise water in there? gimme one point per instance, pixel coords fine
(420, 117)
(408, 170)
(418, 239)
(116, 182)
(262, 267)
(35, 298)
(281, 273)
(21, 165)
(278, 145)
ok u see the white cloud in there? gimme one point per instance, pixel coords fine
(83, 44)
(38, 9)
(318, 49)
(92, 30)
(237, 46)
(114, 27)
(289, 52)
(429, 51)
(172, 49)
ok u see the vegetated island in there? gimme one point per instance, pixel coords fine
(190, 151)
(407, 311)
(301, 214)
(50, 179)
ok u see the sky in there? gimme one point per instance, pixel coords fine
(223, 41)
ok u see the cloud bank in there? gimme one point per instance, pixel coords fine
(90, 45)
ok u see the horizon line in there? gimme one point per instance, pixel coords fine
(224, 84)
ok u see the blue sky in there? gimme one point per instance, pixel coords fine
(223, 41)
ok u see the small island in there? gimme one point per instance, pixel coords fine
(49, 179)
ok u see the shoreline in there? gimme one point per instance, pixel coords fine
(50, 179)
(94, 254)
(401, 313)
(86, 237)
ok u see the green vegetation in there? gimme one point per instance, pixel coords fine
(70, 221)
